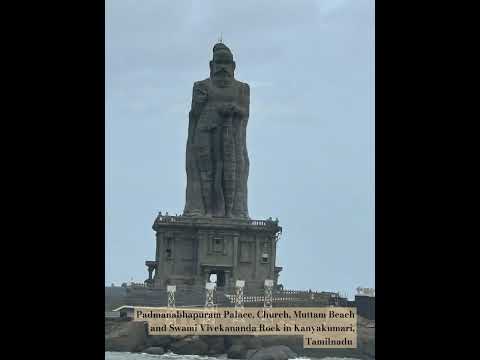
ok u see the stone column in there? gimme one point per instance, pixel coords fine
(273, 256)
(150, 270)
(227, 279)
(200, 251)
(235, 257)
(195, 256)
(159, 256)
(257, 251)
(174, 255)
(157, 248)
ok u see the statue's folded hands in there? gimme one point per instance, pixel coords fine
(229, 109)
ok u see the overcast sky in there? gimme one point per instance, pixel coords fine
(310, 136)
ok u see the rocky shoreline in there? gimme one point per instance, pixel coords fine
(130, 336)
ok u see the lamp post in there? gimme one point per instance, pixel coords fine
(268, 297)
(239, 285)
(210, 294)
(171, 289)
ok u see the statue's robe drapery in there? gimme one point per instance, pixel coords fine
(217, 162)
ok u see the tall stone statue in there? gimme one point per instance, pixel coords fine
(217, 162)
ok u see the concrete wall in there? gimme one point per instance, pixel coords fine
(114, 297)
(365, 306)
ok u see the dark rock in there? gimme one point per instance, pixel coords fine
(249, 342)
(128, 336)
(155, 350)
(293, 342)
(237, 351)
(291, 354)
(189, 346)
(232, 340)
(320, 353)
(253, 343)
(159, 340)
(216, 344)
(277, 352)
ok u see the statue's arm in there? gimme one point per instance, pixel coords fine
(247, 100)
(199, 98)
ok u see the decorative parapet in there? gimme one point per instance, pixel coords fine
(166, 220)
(135, 285)
(365, 291)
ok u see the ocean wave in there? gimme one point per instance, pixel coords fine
(111, 355)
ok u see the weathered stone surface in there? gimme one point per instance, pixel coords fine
(293, 342)
(158, 340)
(189, 346)
(126, 336)
(237, 351)
(216, 344)
(154, 350)
(366, 336)
(217, 163)
(248, 342)
(277, 352)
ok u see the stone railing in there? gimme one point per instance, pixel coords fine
(289, 298)
(195, 295)
(258, 222)
(180, 219)
(309, 292)
(137, 285)
(170, 219)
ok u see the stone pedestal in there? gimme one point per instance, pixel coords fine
(190, 249)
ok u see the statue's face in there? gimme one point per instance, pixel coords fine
(222, 66)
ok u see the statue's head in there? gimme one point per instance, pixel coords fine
(222, 66)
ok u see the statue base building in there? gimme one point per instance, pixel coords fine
(191, 249)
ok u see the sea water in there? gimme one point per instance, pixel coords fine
(170, 356)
